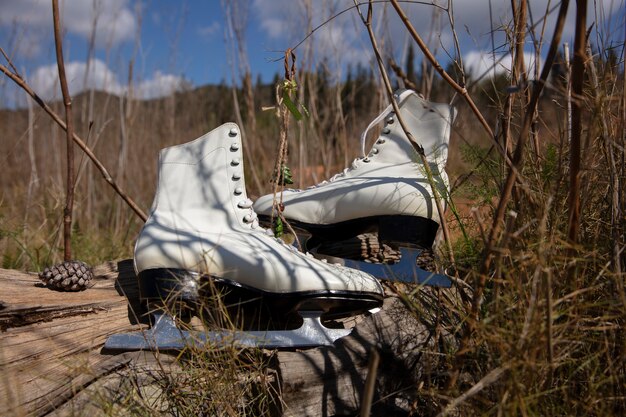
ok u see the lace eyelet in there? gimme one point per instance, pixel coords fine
(245, 204)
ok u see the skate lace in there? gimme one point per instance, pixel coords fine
(356, 162)
(251, 217)
(365, 158)
(378, 119)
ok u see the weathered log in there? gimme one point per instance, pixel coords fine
(51, 358)
(50, 341)
(330, 381)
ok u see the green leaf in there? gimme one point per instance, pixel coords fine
(293, 109)
(278, 227)
(286, 176)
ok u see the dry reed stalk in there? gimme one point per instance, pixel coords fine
(519, 15)
(614, 179)
(69, 122)
(34, 177)
(519, 77)
(518, 73)
(620, 252)
(578, 73)
(568, 91)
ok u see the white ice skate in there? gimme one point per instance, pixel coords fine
(202, 230)
(384, 192)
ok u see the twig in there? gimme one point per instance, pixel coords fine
(347, 9)
(568, 91)
(282, 113)
(67, 101)
(433, 61)
(17, 79)
(402, 75)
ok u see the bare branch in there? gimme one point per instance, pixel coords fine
(67, 101)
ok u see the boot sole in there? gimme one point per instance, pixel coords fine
(173, 287)
(392, 229)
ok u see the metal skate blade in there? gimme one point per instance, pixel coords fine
(164, 335)
(403, 271)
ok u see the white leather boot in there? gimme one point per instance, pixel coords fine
(202, 227)
(386, 190)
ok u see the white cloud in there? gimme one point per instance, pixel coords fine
(473, 24)
(274, 26)
(160, 85)
(281, 19)
(114, 20)
(45, 81)
(483, 64)
(210, 30)
(345, 38)
(338, 41)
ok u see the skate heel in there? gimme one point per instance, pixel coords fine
(174, 289)
(407, 230)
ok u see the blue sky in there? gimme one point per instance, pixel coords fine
(174, 44)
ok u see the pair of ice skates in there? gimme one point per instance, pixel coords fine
(203, 235)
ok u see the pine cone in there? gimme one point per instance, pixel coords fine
(67, 276)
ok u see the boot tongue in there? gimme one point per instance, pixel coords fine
(400, 96)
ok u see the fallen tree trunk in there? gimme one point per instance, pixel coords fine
(52, 363)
